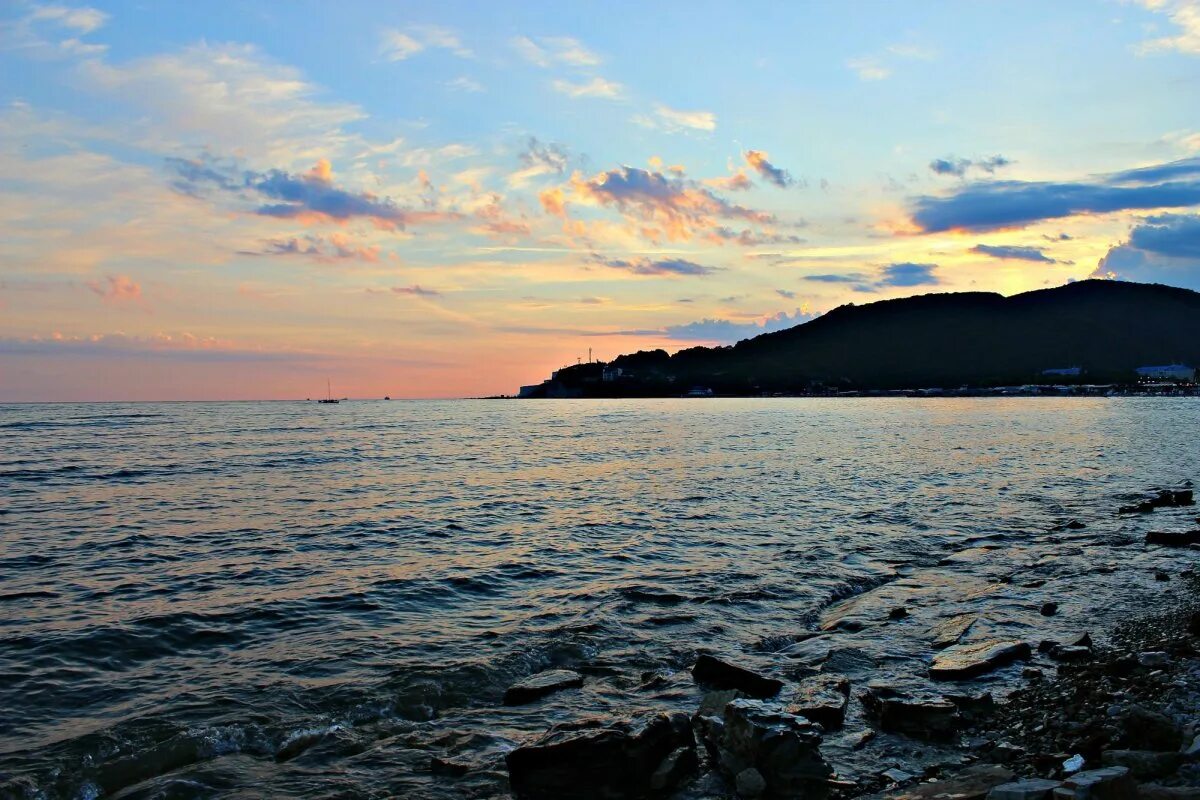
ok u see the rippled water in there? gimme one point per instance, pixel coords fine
(286, 599)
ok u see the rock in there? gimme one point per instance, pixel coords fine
(680, 764)
(1143, 764)
(1075, 525)
(922, 717)
(949, 631)
(749, 783)
(822, 699)
(976, 658)
(1110, 783)
(783, 748)
(1151, 791)
(1161, 576)
(1072, 653)
(898, 613)
(1153, 659)
(1173, 538)
(713, 703)
(1194, 623)
(619, 759)
(1193, 749)
(1032, 673)
(541, 684)
(973, 783)
(973, 707)
(1144, 729)
(444, 765)
(1027, 789)
(1048, 609)
(722, 675)
(897, 775)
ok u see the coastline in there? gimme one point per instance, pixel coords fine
(1077, 698)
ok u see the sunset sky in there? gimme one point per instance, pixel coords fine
(218, 200)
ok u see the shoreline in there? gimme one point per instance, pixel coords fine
(837, 719)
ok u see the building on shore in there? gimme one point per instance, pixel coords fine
(1169, 372)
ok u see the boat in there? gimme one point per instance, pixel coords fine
(328, 398)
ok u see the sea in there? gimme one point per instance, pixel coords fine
(286, 599)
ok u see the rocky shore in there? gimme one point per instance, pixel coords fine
(975, 707)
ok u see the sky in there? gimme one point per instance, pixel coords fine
(242, 201)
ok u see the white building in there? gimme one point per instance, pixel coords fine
(1170, 372)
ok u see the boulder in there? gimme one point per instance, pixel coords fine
(1048, 609)
(597, 761)
(1110, 783)
(923, 717)
(823, 700)
(1143, 764)
(784, 749)
(976, 658)
(1173, 538)
(1144, 729)
(541, 684)
(750, 783)
(1027, 789)
(973, 783)
(949, 631)
(681, 764)
(1071, 653)
(720, 674)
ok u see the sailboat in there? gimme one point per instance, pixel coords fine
(328, 398)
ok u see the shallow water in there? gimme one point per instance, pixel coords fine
(286, 599)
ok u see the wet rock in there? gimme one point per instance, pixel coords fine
(1161, 576)
(1143, 764)
(972, 783)
(682, 763)
(850, 661)
(976, 658)
(922, 717)
(1027, 789)
(1173, 538)
(1153, 659)
(1072, 653)
(1162, 498)
(1144, 729)
(1110, 783)
(1151, 791)
(723, 675)
(822, 699)
(1193, 749)
(600, 762)
(949, 631)
(1049, 609)
(446, 765)
(783, 748)
(1032, 673)
(898, 613)
(541, 684)
(713, 703)
(749, 783)
(810, 652)
(897, 775)
(1194, 623)
(973, 707)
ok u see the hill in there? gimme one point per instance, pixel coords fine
(1105, 328)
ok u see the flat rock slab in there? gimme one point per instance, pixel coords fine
(972, 783)
(723, 675)
(1028, 789)
(976, 658)
(541, 684)
(823, 700)
(1110, 783)
(949, 631)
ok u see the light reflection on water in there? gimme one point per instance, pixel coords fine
(173, 567)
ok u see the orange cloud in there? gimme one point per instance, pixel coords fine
(116, 288)
(554, 202)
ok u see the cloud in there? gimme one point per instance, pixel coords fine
(850, 277)
(680, 207)
(310, 196)
(958, 167)
(757, 159)
(1013, 252)
(785, 293)
(41, 31)
(416, 291)
(670, 267)
(336, 246)
(223, 98)
(1174, 235)
(183, 346)
(539, 159)
(116, 288)
(725, 331)
(1185, 14)
(596, 87)
(673, 120)
(551, 50)
(907, 273)
(868, 69)
(993, 205)
(747, 237)
(737, 182)
(465, 84)
(399, 45)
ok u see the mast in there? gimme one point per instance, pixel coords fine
(328, 390)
